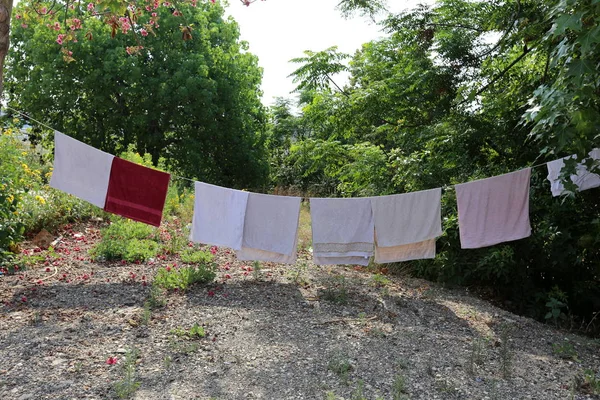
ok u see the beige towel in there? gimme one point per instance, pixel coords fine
(406, 225)
(270, 229)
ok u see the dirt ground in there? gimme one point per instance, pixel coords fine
(74, 329)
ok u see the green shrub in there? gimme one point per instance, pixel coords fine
(182, 278)
(126, 240)
(191, 256)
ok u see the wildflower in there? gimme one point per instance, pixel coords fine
(40, 199)
(168, 269)
(23, 299)
(112, 360)
(90, 6)
(227, 276)
(213, 250)
(211, 293)
(47, 269)
(143, 32)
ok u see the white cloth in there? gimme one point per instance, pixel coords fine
(494, 210)
(364, 261)
(218, 216)
(80, 170)
(270, 228)
(583, 178)
(405, 225)
(341, 228)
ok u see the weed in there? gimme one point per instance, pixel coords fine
(591, 381)
(126, 240)
(336, 289)
(403, 363)
(477, 355)
(156, 298)
(127, 386)
(257, 271)
(184, 348)
(182, 278)
(195, 332)
(359, 393)
(330, 396)
(399, 388)
(297, 275)
(36, 318)
(191, 256)
(379, 280)
(506, 354)
(175, 241)
(167, 361)
(340, 365)
(146, 314)
(565, 350)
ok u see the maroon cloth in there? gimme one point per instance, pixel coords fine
(136, 192)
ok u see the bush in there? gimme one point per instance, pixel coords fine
(182, 278)
(127, 240)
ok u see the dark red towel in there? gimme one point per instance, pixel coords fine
(136, 192)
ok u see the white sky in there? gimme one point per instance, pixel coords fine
(279, 30)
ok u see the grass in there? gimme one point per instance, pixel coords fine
(195, 332)
(399, 391)
(335, 290)
(340, 365)
(126, 240)
(304, 228)
(565, 350)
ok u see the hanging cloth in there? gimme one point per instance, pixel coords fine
(80, 170)
(494, 210)
(406, 225)
(137, 192)
(218, 216)
(583, 178)
(342, 228)
(270, 228)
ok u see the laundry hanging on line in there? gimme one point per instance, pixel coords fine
(342, 228)
(345, 231)
(583, 178)
(116, 185)
(494, 210)
(406, 225)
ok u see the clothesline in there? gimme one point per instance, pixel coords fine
(444, 187)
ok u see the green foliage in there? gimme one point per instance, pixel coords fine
(565, 350)
(591, 381)
(27, 204)
(126, 387)
(399, 390)
(195, 332)
(173, 278)
(126, 240)
(11, 191)
(458, 91)
(194, 102)
(335, 289)
(192, 256)
(340, 365)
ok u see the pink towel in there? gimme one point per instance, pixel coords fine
(494, 210)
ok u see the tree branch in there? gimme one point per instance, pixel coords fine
(499, 76)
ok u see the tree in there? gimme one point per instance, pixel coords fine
(437, 102)
(195, 102)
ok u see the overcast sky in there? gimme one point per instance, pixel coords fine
(279, 30)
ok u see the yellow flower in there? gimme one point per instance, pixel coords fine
(10, 198)
(24, 153)
(49, 174)
(25, 166)
(40, 199)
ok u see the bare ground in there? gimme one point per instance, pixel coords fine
(288, 332)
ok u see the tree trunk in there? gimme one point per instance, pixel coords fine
(5, 10)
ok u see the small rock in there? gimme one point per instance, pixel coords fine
(26, 396)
